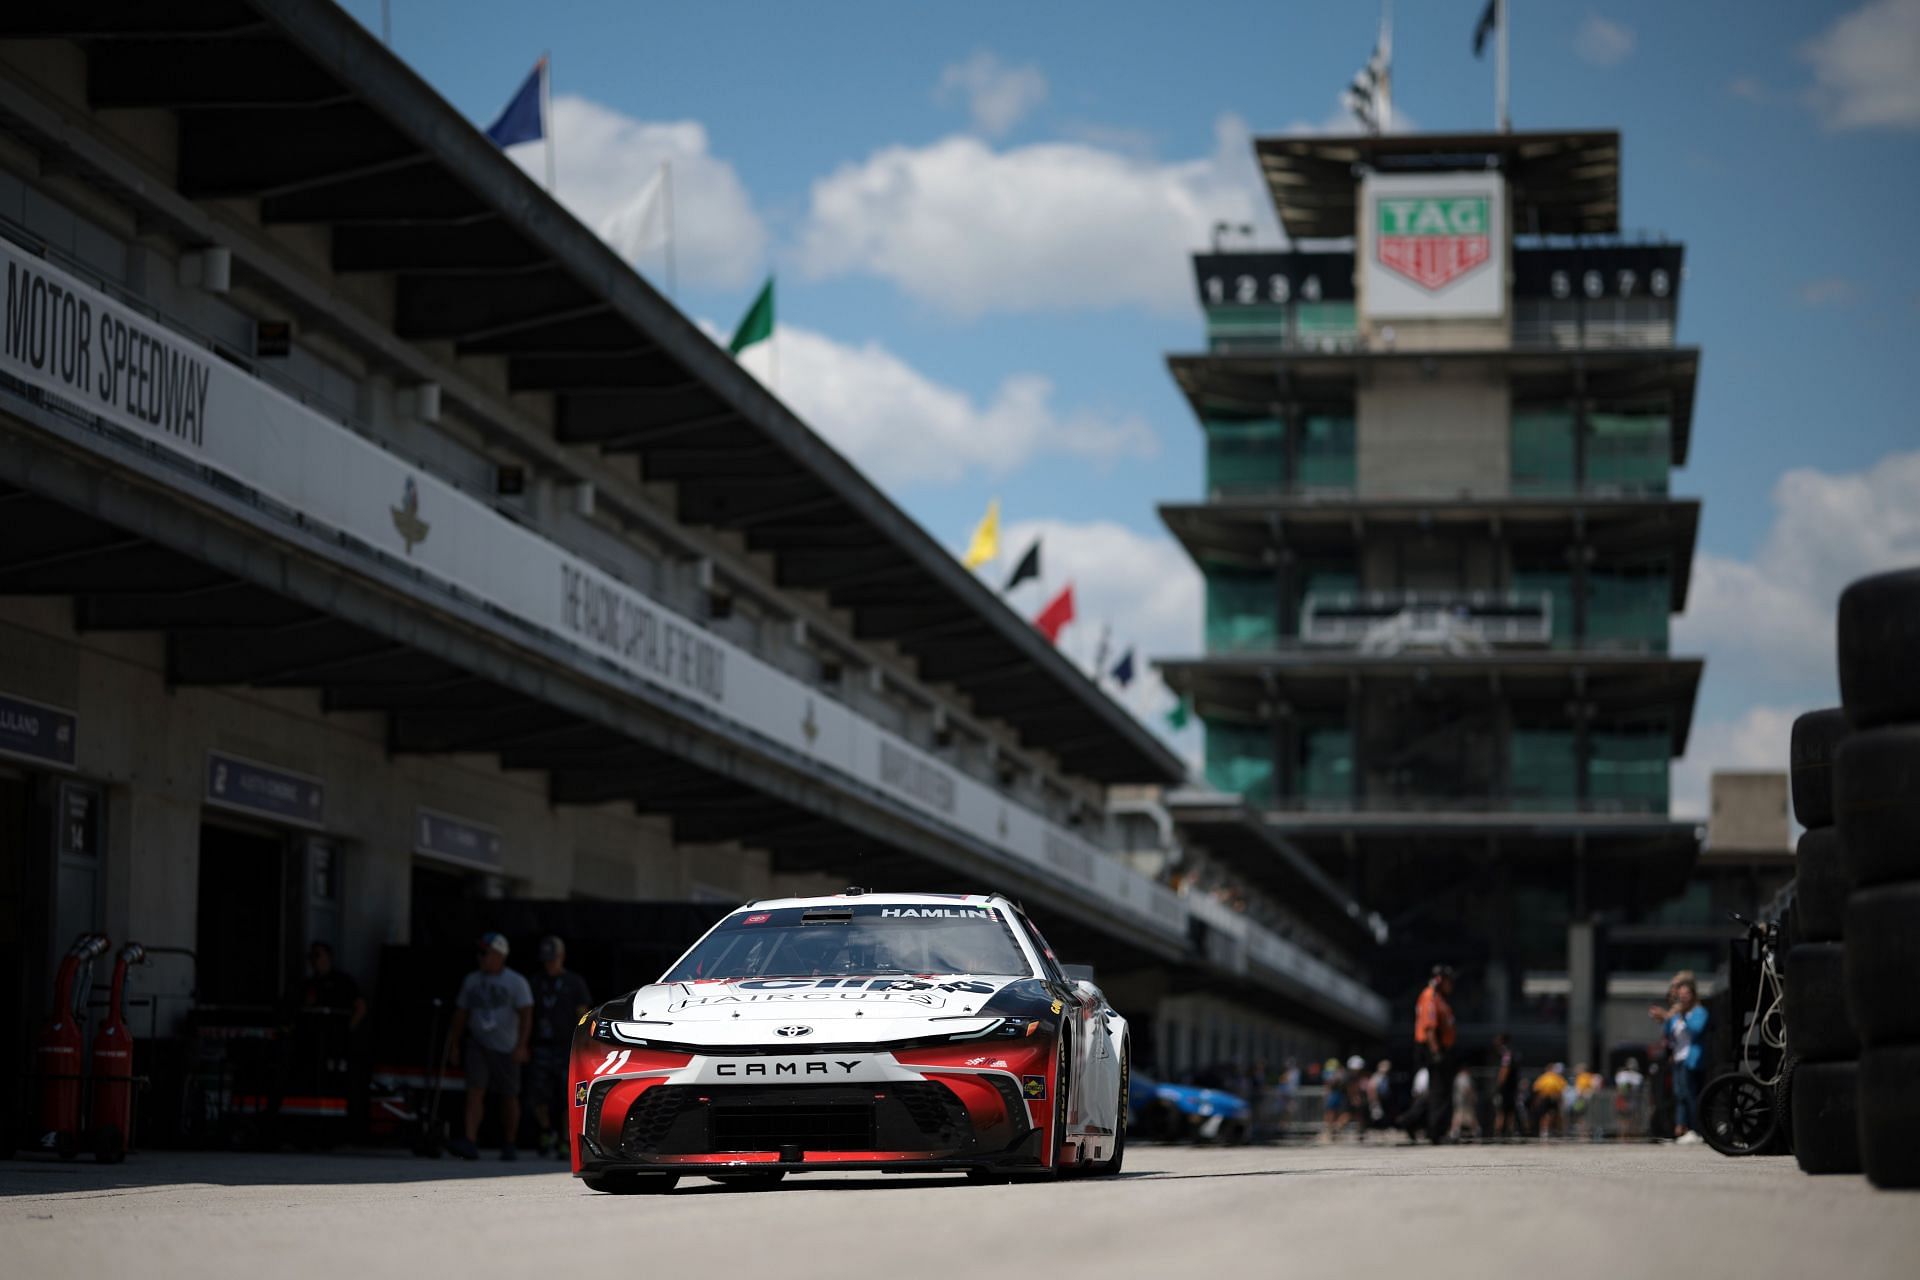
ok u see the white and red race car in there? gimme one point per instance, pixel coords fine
(860, 1031)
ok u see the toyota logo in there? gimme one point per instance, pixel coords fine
(791, 1032)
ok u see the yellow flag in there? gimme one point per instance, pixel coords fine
(986, 538)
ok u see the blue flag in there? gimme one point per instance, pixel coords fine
(524, 120)
(1123, 669)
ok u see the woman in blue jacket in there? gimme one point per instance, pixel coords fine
(1686, 1024)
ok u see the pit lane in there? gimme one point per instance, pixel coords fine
(1567, 1210)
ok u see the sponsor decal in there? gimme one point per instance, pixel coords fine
(1034, 1086)
(583, 1019)
(987, 1062)
(1433, 240)
(406, 517)
(1057, 1006)
(758, 918)
(793, 1032)
(945, 913)
(774, 1068)
(580, 1094)
(923, 999)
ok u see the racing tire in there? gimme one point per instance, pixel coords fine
(1876, 802)
(749, 1181)
(1783, 1105)
(1890, 1116)
(1112, 1164)
(1816, 1003)
(1821, 886)
(1062, 1084)
(1877, 634)
(1826, 1129)
(631, 1184)
(1737, 1116)
(1883, 959)
(1816, 735)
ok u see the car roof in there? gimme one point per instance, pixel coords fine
(881, 899)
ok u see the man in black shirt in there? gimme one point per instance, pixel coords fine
(559, 998)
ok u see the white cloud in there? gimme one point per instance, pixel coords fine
(1751, 88)
(969, 229)
(1866, 68)
(1603, 43)
(1142, 586)
(1767, 625)
(1757, 739)
(902, 427)
(604, 159)
(997, 95)
(1829, 291)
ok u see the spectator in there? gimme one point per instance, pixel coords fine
(1685, 1019)
(1549, 1096)
(492, 1018)
(1433, 1037)
(1283, 1094)
(1628, 1087)
(328, 988)
(1581, 1092)
(1337, 1113)
(1380, 1094)
(1466, 1107)
(560, 1000)
(327, 1039)
(1414, 1118)
(1506, 1089)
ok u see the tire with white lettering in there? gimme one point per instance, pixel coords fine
(630, 1184)
(1883, 963)
(1816, 735)
(1816, 1003)
(1821, 886)
(1890, 1115)
(1878, 633)
(1876, 804)
(1826, 1130)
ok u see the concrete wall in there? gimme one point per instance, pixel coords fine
(1199, 1031)
(1439, 433)
(1749, 814)
(148, 744)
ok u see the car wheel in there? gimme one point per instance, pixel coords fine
(748, 1181)
(1736, 1115)
(630, 1184)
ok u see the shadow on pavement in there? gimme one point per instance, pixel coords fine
(39, 1176)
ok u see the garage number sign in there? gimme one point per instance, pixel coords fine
(251, 787)
(34, 731)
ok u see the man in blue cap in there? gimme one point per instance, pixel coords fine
(492, 1022)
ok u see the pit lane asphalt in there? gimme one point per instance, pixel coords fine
(1560, 1211)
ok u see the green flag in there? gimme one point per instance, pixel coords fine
(757, 324)
(1181, 713)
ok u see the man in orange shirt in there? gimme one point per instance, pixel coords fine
(1433, 1044)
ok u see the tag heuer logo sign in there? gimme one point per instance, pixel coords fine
(1433, 241)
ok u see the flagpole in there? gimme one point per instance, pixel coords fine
(1501, 120)
(666, 176)
(546, 110)
(1386, 66)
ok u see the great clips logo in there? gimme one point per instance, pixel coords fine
(1433, 240)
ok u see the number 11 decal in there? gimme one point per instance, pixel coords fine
(616, 1059)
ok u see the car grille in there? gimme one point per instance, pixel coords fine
(896, 1116)
(826, 1126)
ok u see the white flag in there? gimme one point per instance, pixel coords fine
(642, 225)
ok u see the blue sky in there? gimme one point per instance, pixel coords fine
(902, 168)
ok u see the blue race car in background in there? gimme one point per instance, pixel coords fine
(1186, 1113)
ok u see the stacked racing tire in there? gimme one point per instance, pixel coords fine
(1818, 1078)
(1876, 800)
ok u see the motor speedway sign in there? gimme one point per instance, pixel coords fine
(1434, 246)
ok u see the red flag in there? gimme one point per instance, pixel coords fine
(1057, 614)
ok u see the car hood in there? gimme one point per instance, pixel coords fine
(802, 1011)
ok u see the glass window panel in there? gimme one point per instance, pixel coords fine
(1240, 759)
(1247, 456)
(1542, 454)
(1326, 772)
(1629, 608)
(1543, 769)
(1242, 610)
(1631, 452)
(1628, 768)
(1326, 451)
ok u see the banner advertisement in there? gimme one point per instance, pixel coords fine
(81, 346)
(1433, 246)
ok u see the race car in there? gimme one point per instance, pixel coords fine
(1188, 1113)
(903, 1032)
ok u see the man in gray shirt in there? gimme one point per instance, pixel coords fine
(492, 1020)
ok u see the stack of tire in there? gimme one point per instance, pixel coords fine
(1876, 797)
(1819, 1079)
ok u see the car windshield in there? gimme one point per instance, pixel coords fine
(868, 938)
